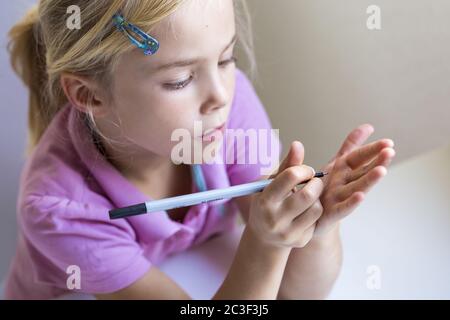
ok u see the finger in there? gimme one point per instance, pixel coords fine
(342, 209)
(364, 154)
(384, 159)
(297, 203)
(355, 138)
(299, 230)
(363, 184)
(308, 217)
(294, 157)
(282, 184)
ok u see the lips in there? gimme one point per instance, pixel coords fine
(210, 132)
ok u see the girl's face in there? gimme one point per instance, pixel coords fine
(191, 78)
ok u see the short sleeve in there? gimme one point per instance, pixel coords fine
(63, 233)
(260, 154)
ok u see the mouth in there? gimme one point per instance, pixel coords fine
(210, 132)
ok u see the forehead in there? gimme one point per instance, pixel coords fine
(199, 28)
(196, 16)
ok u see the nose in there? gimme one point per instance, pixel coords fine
(216, 95)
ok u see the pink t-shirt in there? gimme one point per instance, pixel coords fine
(67, 188)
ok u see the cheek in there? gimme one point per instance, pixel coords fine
(150, 125)
(174, 112)
(150, 103)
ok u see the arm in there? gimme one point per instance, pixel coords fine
(256, 272)
(144, 288)
(253, 261)
(312, 270)
(356, 168)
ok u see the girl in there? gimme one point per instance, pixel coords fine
(104, 102)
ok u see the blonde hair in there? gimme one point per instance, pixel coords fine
(42, 48)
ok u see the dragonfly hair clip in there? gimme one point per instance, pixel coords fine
(137, 37)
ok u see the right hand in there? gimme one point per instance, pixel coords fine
(283, 217)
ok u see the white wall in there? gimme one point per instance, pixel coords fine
(323, 72)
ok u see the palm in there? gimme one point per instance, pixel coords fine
(351, 174)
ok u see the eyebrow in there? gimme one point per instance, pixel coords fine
(188, 62)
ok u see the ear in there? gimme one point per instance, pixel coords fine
(84, 94)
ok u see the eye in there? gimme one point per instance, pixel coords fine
(178, 85)
(182, 84)
(227, 62)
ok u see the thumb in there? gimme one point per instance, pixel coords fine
(294, 157)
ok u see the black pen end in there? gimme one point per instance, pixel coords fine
(127, 211)
(320, 174)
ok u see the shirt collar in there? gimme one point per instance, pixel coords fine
(121, 192)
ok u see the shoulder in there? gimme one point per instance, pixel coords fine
(54, 174)
(241, 77)
(43, 217)
(243, 86)
(60, 201)
(35, 208)
(247, 110)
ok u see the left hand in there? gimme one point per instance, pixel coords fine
(351, 174)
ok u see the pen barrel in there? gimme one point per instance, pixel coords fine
(205, 196)
(195, 198)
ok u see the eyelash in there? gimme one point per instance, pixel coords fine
(182, 84)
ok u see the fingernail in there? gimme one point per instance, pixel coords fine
(389, 142)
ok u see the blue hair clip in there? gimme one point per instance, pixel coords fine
(147, 43)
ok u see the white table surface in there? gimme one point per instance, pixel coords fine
(401, 232)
